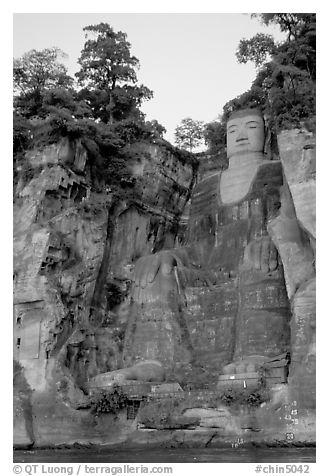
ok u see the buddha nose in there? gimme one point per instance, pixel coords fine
(242, 134)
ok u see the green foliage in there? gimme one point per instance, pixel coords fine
(106, 59)
(183, 156)
(38, 70)
(104, 114)
(114, 295)
(130, 130)
(22, 140)
(292, 23)
(21, 134)
(60, 98)
(215, 136)
(169, 412)
(284, 87)
(255, 49)
(108, 401)
(254, 97)
(245, 397)
(46, 106)
(108, 75)
(33, 74)
(189, 134)
(156, 130)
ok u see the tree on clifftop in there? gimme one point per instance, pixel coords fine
(215, 136)
(256, 49)
(35, 73)
(189, 134)
(108, 75)
(284, 87)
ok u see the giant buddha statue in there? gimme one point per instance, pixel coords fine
(219, 299)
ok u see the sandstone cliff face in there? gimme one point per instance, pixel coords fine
(294, 234)
(75, 249)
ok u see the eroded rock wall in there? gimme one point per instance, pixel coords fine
(74, 253)
(74, 248)
(294, 234)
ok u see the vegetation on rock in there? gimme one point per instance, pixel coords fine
(104, 112)
(108, 401)
(284, 87)
(108, 76)
(169, 412)
(189, 134)
(35, 73)
(244, 397)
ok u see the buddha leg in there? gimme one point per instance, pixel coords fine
(262, 326)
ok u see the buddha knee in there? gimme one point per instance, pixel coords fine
(154, 277)
(261, 254)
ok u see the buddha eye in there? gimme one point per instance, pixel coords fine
(253, 125)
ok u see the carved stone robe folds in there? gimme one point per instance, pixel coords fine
(234, 305)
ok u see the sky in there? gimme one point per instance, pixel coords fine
(187, 59)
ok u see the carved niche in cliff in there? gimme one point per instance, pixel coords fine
(221, 296)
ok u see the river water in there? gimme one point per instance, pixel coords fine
(161, 455)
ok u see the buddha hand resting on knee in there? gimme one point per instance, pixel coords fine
(262, 255)
(244, 319)
(155, 276)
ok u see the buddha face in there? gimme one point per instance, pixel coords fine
(245, 134)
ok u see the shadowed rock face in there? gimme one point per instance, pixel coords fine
(293, 232)
(74, 249)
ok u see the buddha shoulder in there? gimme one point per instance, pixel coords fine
(269, 173)
(207, 185)
(205, 192)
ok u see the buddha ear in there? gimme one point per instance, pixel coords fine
(267, 138)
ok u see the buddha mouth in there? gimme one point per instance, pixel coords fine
(242, 142)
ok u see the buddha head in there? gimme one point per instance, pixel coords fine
(245, 132)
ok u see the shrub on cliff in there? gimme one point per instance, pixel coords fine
(168, 412)
(33, 74)
(21, 141)
(108, 75)
(111, 401)
(189, 134)
(244, 397)
(284, 87)
(215, 137)
(104, 113)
